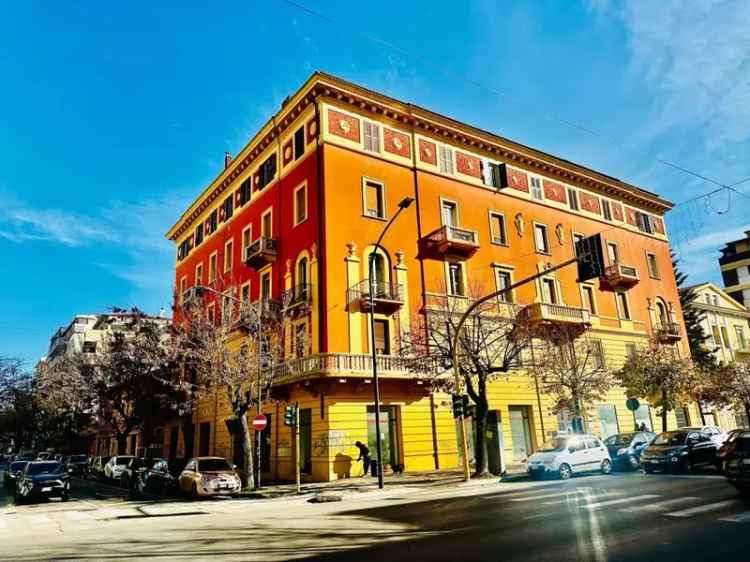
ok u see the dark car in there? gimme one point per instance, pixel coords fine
(132, 471)
(77, 465)
(11, 473)
(42, 479)
(737, 463)
(727, 446)
(679, 451)
(162, 477)
(625, 448)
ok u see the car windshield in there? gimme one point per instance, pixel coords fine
(671, 438)
(123, 460)
(554, 445)
(44, 468)
(209, 465)
(77, 458)
(620, 440)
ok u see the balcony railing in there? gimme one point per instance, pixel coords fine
(450, 241)
(668, 332)
(540, 312)
(619, 276)
(340, 363)
(263, 310)
(261, 252)
(387, 297)
(298, 295)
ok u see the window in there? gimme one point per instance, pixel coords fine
(211, 312)
(630, 350)
(266, 224)
(577, 237)
(725, 337)
(183, 249)
(549, 291)
(300, 338)
(265, 286)
(228, 256)
(183, 287)
(573, 199)
(213, 221)
(536, 187)
(247, 239)
(198, 234)
(587, 292)
(741, 343)
(653, 265)
(379, 270)
(504, 280)
(302, 271)
(246, 190)
(541, 241)
(300, 204)
(299, 142)
(597, 353)
(449, 213)
(382, 337)
(212, 268)
(644, 222)
(445, 159)
(612, 253)
(374, 199)
(245, 293)
(662, 315)
(607, 210)
(491, 174)
(456, 279)
(716, 335)
(199, 274)
(228, 207)
(372, 136)
(622, 305)
(498, 235)
(226, 309)
(267, 171)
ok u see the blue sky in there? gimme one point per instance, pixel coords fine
(115, 115)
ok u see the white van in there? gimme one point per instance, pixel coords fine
(570, 454)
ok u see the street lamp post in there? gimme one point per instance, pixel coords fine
(403, 204)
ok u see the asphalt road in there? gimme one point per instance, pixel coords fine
(629, 516)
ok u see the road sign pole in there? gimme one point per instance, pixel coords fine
(296, 447)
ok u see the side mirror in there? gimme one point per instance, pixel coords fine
(571, 449)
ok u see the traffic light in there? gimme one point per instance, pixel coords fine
(470, 410)
(458, 405)
(290, 416)
(590, 252)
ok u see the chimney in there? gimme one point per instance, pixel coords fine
(227, 160)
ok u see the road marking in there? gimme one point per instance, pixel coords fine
(738, 518)
(542, 496)
(39, 519)
(596, 505)
(77, 515)
(597, 542)
(701, 508)
(586, 493)
(661, 506)
(3, 524)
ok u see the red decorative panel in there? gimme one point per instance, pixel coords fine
(554, 191)
(396, 143)
(630, 213)
(342, 125)
(617, 211)
(469, 165)
(312, 130)
(518, 179)
(590, 203)
(427, 152)
(658, 225)
(286, 152)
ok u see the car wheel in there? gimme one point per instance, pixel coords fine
(565, 471)
(65, 496)
(634, 462)
(194, 493)
(688, 467)
(648, 470)
(606, 466)
(17, 498)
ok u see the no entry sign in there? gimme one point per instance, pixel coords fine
(260, 422)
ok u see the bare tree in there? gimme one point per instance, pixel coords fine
(18, 415)
(569, 366)
(491, 344)
(728, 385)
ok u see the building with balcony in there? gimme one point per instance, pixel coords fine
(320, 180)
(735, 269)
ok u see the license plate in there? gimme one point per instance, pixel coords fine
(46, 489)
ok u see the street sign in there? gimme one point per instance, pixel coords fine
(259, 422)
(632, 404)
(590, 252)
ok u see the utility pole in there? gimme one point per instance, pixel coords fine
(296, 447)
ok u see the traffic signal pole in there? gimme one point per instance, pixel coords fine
(297, 467)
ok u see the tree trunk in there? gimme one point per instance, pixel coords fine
(664, 410)
(247, 450)
(747, 411)
(479, 439)
(577, 416)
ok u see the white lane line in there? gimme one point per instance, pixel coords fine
(3, 524)
(607, 503)
(77, 515)
(738, 518)
(556, 494)
(39, 519)
(597, 541)
(587, 494)
(661, 506)
(701, 508)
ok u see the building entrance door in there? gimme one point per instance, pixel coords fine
(520, 432)
(390, 439)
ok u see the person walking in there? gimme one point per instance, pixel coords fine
(364, 456)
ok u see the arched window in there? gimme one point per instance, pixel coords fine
(662, 315)
(302, 272)
(379, 270)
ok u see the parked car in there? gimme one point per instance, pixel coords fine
(209, 476)
(568, 455)
(737, 463)
(726, 447)
(77, 465)
(97, 467)
(160, 478)
(11, 473)
(679, 451)
(716, 434)
(114, 467)
(625, 448)
(42, 479)
(43, 456)
(131, 472)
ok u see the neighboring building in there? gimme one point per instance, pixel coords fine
(735, 269)
(294, 218)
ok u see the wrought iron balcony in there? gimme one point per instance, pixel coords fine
(450, 241)
(387, 298)
(668, 332)
(619, 276)
(297, 297)
(263, 312)
(261, 252)
(545, 313)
